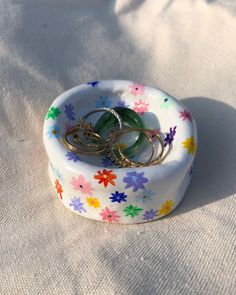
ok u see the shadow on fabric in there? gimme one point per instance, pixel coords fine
(215, 166)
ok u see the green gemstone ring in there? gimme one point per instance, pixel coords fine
(107, 121)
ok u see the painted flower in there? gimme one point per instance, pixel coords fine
(107, 162)
(186, 115)
(136, 89)
(103, 102)
(149, 215)
(118, 197)
(77, 205)
(122, 104)
(169, 138)
(93, 202)
(53, 132)
(132, 211)
(72, 157)
(53, 113)
(166, 208)
(93, 83)
(108, 215)
(141, 107)
(58, 188)
(80, 184)
(145, 196)
(190, 145)
(69, 112)
(166, 103)
(135, 180)
(105, 177)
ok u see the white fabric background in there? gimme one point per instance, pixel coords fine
(187, 48)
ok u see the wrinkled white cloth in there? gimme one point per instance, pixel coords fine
(185, 47)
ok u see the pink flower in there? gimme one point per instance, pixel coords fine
(137, 89)
(80, 184)
(109, 215)
(141, 107)
(185, 115)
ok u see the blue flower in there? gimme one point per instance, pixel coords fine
(93, 83)
(149, 215)
(122, 104)
(53, 132)
(118, 197)
(170, 136)
(106, 162)
(103, 102)
(77, 205)
(69, 112)
(135, 180)
(72, 157)
(145, 196)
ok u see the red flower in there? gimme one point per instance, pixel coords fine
(58, 188)
(105, 177)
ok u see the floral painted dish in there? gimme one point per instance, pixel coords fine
(91, 186)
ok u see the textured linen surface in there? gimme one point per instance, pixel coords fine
(185, 47)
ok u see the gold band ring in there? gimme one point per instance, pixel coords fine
(98, 149)
(121, 160)
(87, 130)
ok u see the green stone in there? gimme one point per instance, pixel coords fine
(108, 121)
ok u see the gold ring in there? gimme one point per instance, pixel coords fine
(121, 160)
(97, 149)
(88, 132)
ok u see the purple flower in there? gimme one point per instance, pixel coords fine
(122, 104)
(103, 102)
(170, 136)
(72, 157)
(118, 197)
(149, 215)
(106, 162)
(69, 112)
(135, 180)
(93, 83)
(77, 204)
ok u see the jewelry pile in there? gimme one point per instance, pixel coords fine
(105, 136)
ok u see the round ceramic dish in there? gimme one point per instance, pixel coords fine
(92, 186)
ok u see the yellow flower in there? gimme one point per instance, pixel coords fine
(93, 202)
(190, 144)
(166, 208)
